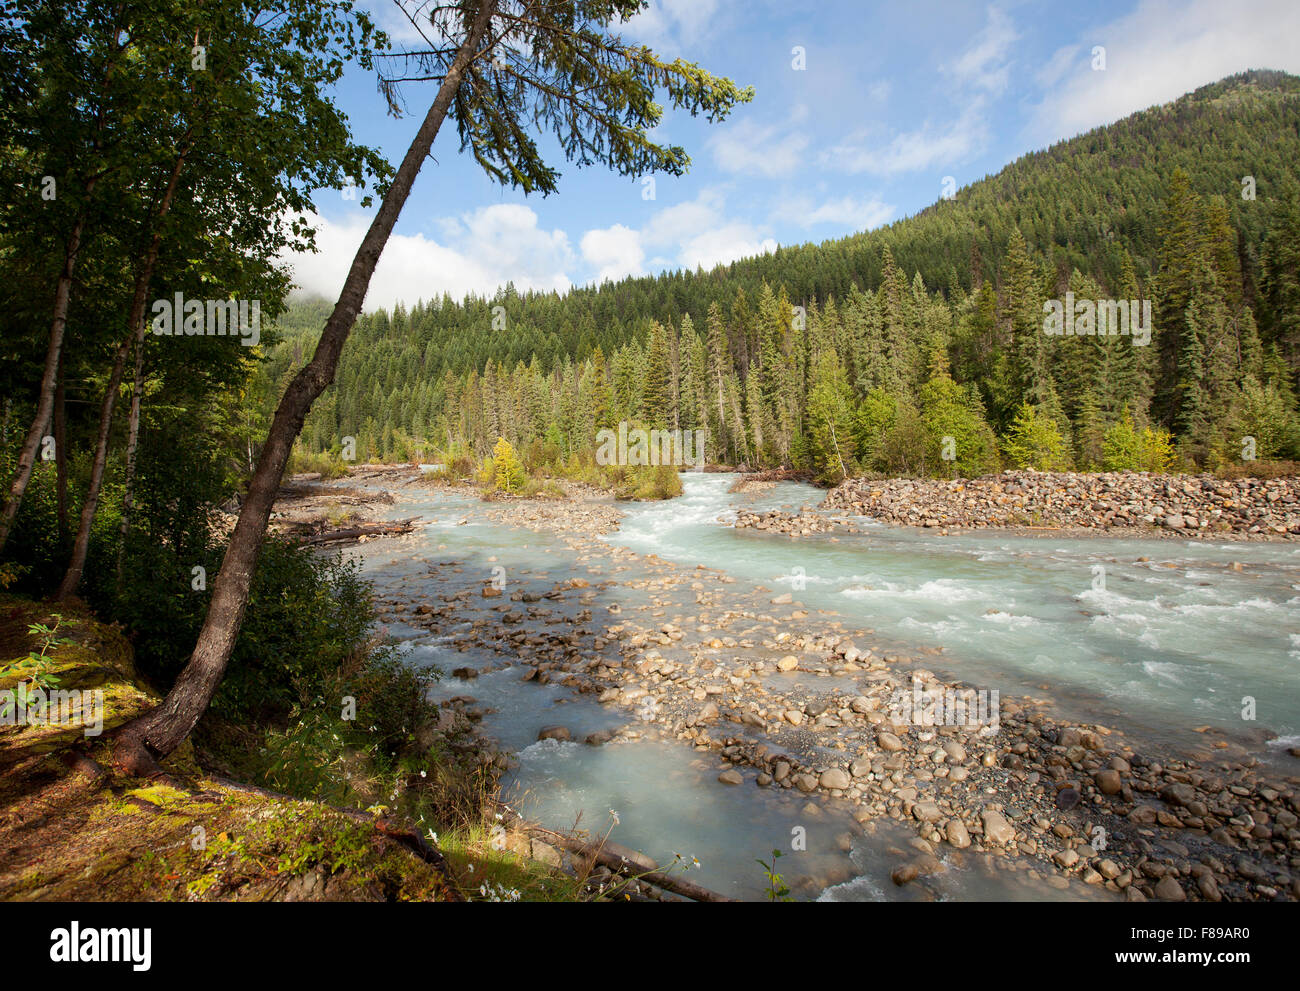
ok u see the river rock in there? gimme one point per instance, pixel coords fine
(889, 742)
(996, 828)
(1169, 890)
(835, 778)
(956, 834)
(1108, 781)
(1178, 793)
(904, 874)
(927, 812)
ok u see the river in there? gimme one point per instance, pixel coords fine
(1159, 638)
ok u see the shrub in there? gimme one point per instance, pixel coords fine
(1035, 441)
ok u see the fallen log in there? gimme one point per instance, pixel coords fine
(619, 860)
(364, 530)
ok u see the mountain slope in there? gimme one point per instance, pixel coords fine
(1090, 211)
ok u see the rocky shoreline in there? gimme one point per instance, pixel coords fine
(1128, 503)
(788, 701)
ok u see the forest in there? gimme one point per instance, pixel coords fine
(865, 353)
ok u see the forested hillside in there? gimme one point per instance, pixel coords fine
(916, 348)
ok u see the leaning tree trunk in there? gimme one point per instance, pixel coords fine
(45, 404)
(158, 732)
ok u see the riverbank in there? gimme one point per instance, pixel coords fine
(782, 698)
(73, 829)
(1122, 503)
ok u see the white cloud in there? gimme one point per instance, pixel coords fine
(614, 252)
(670, 23)
(389, 17)
(1160, 51)
(984, 64)
(486, 248)
(696, 233)
(771, 150)
(845, 212)
(912, 151)
(724, 244)
(980, 73)
(702, 235)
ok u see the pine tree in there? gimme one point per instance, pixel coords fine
(656, 395)
(830, 420)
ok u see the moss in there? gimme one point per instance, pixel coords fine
(132, 840)
(160, 795)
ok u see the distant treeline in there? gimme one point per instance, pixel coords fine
(918, 348)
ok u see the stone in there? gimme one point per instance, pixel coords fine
(904, 873)
(1108, 781)
(787, 663)
(955, 833)
(730, 777)
(996, 828)
(546, 854)
(927, 812)
(1209, 888)
(889, 742)
(1169, 890)
(554, 733)
(835, 778)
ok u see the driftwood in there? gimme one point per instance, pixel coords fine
(364, 530)
(618, 859)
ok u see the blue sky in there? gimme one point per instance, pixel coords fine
(892, 99)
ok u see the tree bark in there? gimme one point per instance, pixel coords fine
(61, 458)
(135, 333)
(72, 577)
(160, 731)
(132, 442)
(45, 403)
